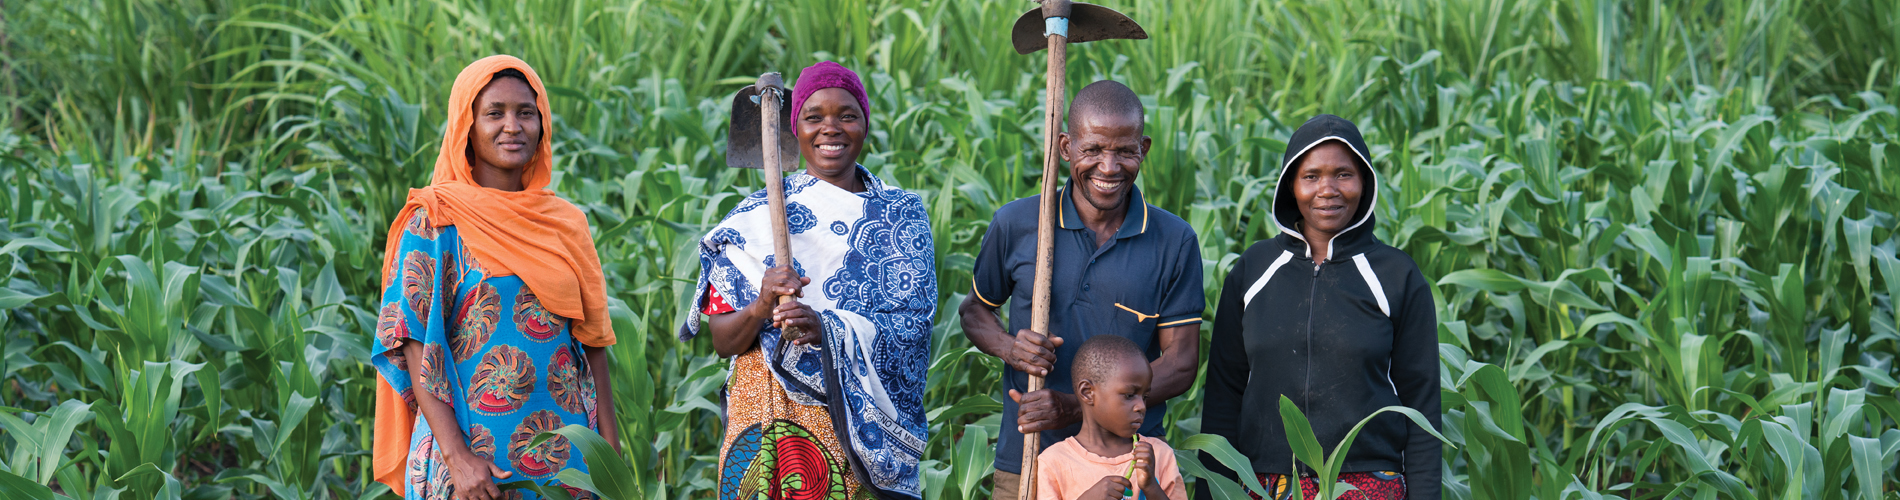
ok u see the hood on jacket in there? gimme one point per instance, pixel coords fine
(1286, 210)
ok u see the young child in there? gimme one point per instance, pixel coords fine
(1111, 381)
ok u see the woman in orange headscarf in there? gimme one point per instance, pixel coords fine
(493, 317)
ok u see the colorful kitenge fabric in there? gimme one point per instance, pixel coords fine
(777, 447)
(508, 367)
(1371, 485)
(872, 266)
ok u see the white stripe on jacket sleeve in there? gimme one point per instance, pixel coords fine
(1262, 282)
(1372, 280)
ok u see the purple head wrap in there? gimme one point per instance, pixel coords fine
(826, 75)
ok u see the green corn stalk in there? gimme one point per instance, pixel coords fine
(1307, 450)
(1633, 213)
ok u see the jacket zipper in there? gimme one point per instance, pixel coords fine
(1312, 292)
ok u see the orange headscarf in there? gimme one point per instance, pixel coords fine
(532, 233)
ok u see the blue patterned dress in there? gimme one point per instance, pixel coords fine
(509, 368)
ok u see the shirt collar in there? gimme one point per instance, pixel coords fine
(1133, 223)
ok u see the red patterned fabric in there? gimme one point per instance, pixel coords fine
(1372, 486)
(716, 303)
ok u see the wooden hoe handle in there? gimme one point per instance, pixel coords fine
(1053, 11)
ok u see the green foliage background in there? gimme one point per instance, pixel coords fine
(1662, 232)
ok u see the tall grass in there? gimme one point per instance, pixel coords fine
(1662, 233)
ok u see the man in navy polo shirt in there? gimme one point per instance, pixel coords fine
(1122, 267)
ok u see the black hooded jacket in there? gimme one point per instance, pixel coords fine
(1342, 338)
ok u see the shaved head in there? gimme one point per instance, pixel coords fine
(1103, 356)
(1106, 99)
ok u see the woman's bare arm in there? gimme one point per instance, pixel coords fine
(448, 432)
(736, 332)
(472, 476)
(604, 394)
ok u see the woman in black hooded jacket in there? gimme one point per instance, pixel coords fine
(1334, 319)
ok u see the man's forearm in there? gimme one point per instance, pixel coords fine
(984, 329)
(1174, 371)
(1172, 378)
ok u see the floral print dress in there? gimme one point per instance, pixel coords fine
(508, 367)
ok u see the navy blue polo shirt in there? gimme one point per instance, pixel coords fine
(1147, 277)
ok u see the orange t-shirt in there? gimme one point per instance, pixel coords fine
(1065, 470)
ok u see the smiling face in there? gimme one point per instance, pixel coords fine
(1119, 402)
(507, 129)
(1104, 151)
(831, 130)
(1327, 184)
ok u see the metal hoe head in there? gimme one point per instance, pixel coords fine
(744, 140)
(1087, 23)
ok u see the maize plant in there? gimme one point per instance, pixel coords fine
(1662, 234)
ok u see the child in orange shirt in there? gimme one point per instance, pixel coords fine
(1111, 381)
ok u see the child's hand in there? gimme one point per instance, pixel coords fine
(1110, 488)
(1144, 463)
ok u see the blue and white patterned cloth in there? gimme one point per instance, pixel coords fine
(873, 273)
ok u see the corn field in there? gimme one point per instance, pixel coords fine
(1665, 236)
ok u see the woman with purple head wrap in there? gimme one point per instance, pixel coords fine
(830, 114)
(835, 410)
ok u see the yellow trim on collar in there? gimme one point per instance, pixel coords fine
(1062, 216)
(1144, 218)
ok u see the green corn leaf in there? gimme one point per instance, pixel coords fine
(171, 488)
(14, 299)
(935, 474)
(1492, 385)
(59, 430)
(1875, 376)
(1517, 372)
(1859, 234)
(1490, 280)
(30, 439)
(292, 416)
(1329, 468)
(37, 242)
(1223, 452)
(974, 455)
(377, 490)
(12, 486)
(982, 404)
(1698, 463)
(1647, 240)
(1869, 465)
(1794, 455)
(1299, 434)
(1219, 485)
(609, 474)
